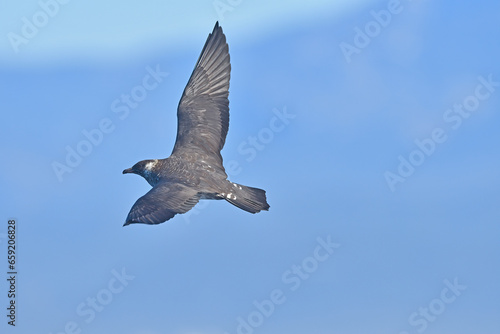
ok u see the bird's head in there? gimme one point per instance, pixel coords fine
(144, 168)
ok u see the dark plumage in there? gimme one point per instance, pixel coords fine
(194, 170)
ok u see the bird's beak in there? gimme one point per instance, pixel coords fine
(128, 170)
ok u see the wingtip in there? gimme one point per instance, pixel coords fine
(129, 222)
(217, 27)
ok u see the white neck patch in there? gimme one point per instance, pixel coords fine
(151, 164)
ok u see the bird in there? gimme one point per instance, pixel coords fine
(194, 170)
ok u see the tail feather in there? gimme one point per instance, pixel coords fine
(250, 199)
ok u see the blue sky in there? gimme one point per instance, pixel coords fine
(382, 173)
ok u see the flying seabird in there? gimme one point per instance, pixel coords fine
(194, 169)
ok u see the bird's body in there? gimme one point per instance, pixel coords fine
(194, 170)
(195, 174)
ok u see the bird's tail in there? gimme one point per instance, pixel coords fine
(246, 198)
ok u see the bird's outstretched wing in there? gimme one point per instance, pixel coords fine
(203, 111)
(161, 203)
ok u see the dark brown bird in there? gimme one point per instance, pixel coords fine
(194, 170)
